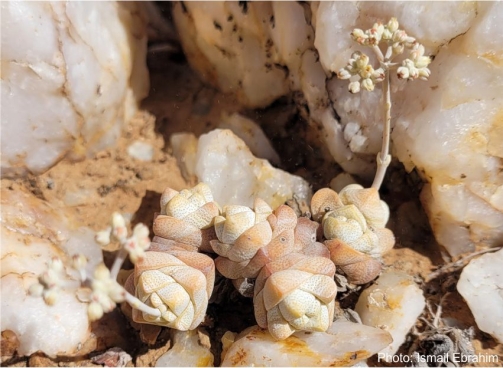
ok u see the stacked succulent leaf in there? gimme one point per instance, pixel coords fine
(172, 276)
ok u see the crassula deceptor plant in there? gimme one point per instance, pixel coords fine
(172, 277)
(353, 223)
(294, 288)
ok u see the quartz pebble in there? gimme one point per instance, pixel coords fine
(72, 74)
(252, 135)
(141, 151)
(186, 351)
(481, 285)
(235, 176)
(393, 303)
(344, 344)
(184, 147)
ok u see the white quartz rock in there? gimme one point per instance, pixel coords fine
(481, 285)
(187, 351)
(31, 234)
(141, 151)
(184, 147)
(393, 304)
(253, 136)
(235, 176)
(72, 73)
(344, 344)
(226, 43)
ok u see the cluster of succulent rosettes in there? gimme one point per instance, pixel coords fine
(294, 288)
(353, 223)
(172, 277)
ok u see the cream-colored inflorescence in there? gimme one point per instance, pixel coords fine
(353, 224)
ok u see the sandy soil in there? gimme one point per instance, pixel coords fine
(114, 181)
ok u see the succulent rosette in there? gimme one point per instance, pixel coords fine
(175, 281)
(353, 224)
(187, 217)
(171, 276)
(296, 291)
(241, 233)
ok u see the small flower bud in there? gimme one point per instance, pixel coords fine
(118, 220)
(403, 72)
(117, 293)
(362, 61)
(424, 73)
(375, 34)
(103, 237)
(354, 87)
(366, 72)
(36, 289)
(79, 261)
(50, 278)
(94, 311)
(409, 42)
(398, 48)
(422, 62)
(368, 84)
(140, 234)
(393, 24)
(101, 272)
(355, 56)
(359, 36)
(343, 74)
(50, 296)
(378, 75)
(399, 36)
(56, 264)
(119, 229)
(387, 35)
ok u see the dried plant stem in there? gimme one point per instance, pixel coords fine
(453, 266)
(383, 157)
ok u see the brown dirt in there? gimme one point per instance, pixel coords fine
(114, 181)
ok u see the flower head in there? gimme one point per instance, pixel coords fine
(106, 292)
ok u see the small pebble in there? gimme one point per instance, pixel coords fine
(141, 151)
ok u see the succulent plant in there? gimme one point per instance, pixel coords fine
(353, 224)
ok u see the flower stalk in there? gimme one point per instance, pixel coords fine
(362, 75)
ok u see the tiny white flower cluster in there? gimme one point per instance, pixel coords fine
(390, 33)
(397, 40)
(101, 291)
(106, 292)
(415, 67)
(136, 245)
(359, 65)
(50, 282)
